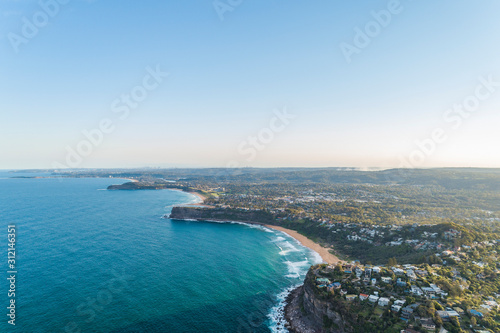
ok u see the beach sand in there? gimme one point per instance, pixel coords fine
(323, 251)
(202, 197)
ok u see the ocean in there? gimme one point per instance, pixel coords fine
(92, 260)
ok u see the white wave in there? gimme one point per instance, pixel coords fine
(247, 224)
(189, 220)
(316, 258)
(297, 269)
(277, 313)
(279, 239)
(291, 247)
(284, 252)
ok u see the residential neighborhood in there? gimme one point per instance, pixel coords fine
(421, 297)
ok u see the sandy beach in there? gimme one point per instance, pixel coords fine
(202, 197)
(323, 251)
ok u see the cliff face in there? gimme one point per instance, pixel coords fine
(142, 186)
(220, 214)
(306, 312)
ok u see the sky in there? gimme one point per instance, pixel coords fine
(238, 83)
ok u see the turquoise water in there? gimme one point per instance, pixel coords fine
(91, 260)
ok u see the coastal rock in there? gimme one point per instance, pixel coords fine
(221, 214)
(307, 313)
(147, 186)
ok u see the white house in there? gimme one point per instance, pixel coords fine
(383, 301)
(416, 291)
(373, 299)
(386, 279)
(411, 274)
(399, 302)
(395, 308)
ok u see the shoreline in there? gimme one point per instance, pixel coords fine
(322, 251)
(198, 195)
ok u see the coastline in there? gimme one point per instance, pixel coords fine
(200, 196)
(322, 251)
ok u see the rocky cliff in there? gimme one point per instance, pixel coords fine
(308, 312)
(145, 186)
(221, 214)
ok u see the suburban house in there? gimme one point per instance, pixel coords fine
(447, 314)
(362, 297)
(373, 298)
(422, 272)
(407, 312)
(399, 302)
(395, 308)
(333, 286)
(428, 324)
(411, 275)
(437, 290)
(429, 292)
(383, 301)
(386, 279)
(416, 291)
(322, 281)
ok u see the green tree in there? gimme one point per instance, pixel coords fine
(392, 262)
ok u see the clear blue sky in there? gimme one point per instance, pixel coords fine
(228, 77)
